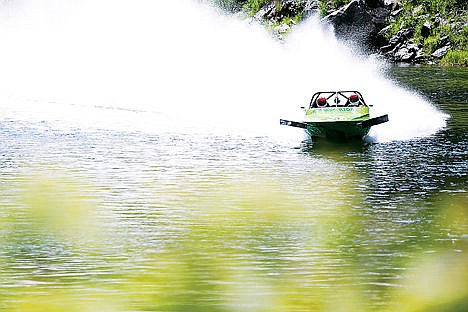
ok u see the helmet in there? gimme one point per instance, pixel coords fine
(321, 102)
(354, 98)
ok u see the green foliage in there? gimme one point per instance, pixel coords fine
(431, 43)
(460, 39)
(253, 6)
(228, 5)
(446, 18)
(325, 6)
(456, 57)
(404, 20)
(339, 3)
(437, 38)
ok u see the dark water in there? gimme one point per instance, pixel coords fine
(447, 87)
(126, 220)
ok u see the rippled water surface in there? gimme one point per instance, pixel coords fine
(187, 221)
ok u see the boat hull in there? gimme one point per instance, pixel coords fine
(337, 122)
(336, 130)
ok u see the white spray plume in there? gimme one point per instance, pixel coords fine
(145, 64)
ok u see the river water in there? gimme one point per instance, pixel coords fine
(122, 208)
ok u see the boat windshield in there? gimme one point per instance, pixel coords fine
(337, 99)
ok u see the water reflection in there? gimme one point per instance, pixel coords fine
(331, 149)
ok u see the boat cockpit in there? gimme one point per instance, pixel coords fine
(337, 99)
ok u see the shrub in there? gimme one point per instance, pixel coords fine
(253, 6)
(456, 57)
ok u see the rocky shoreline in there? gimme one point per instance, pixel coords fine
(399, 33)
(370, 25)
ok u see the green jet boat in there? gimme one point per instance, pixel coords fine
(337, 115)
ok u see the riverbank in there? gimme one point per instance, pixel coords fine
(402, 31)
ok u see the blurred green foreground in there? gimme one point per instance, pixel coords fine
(244, 244)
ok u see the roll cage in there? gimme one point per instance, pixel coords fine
(337, 99)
